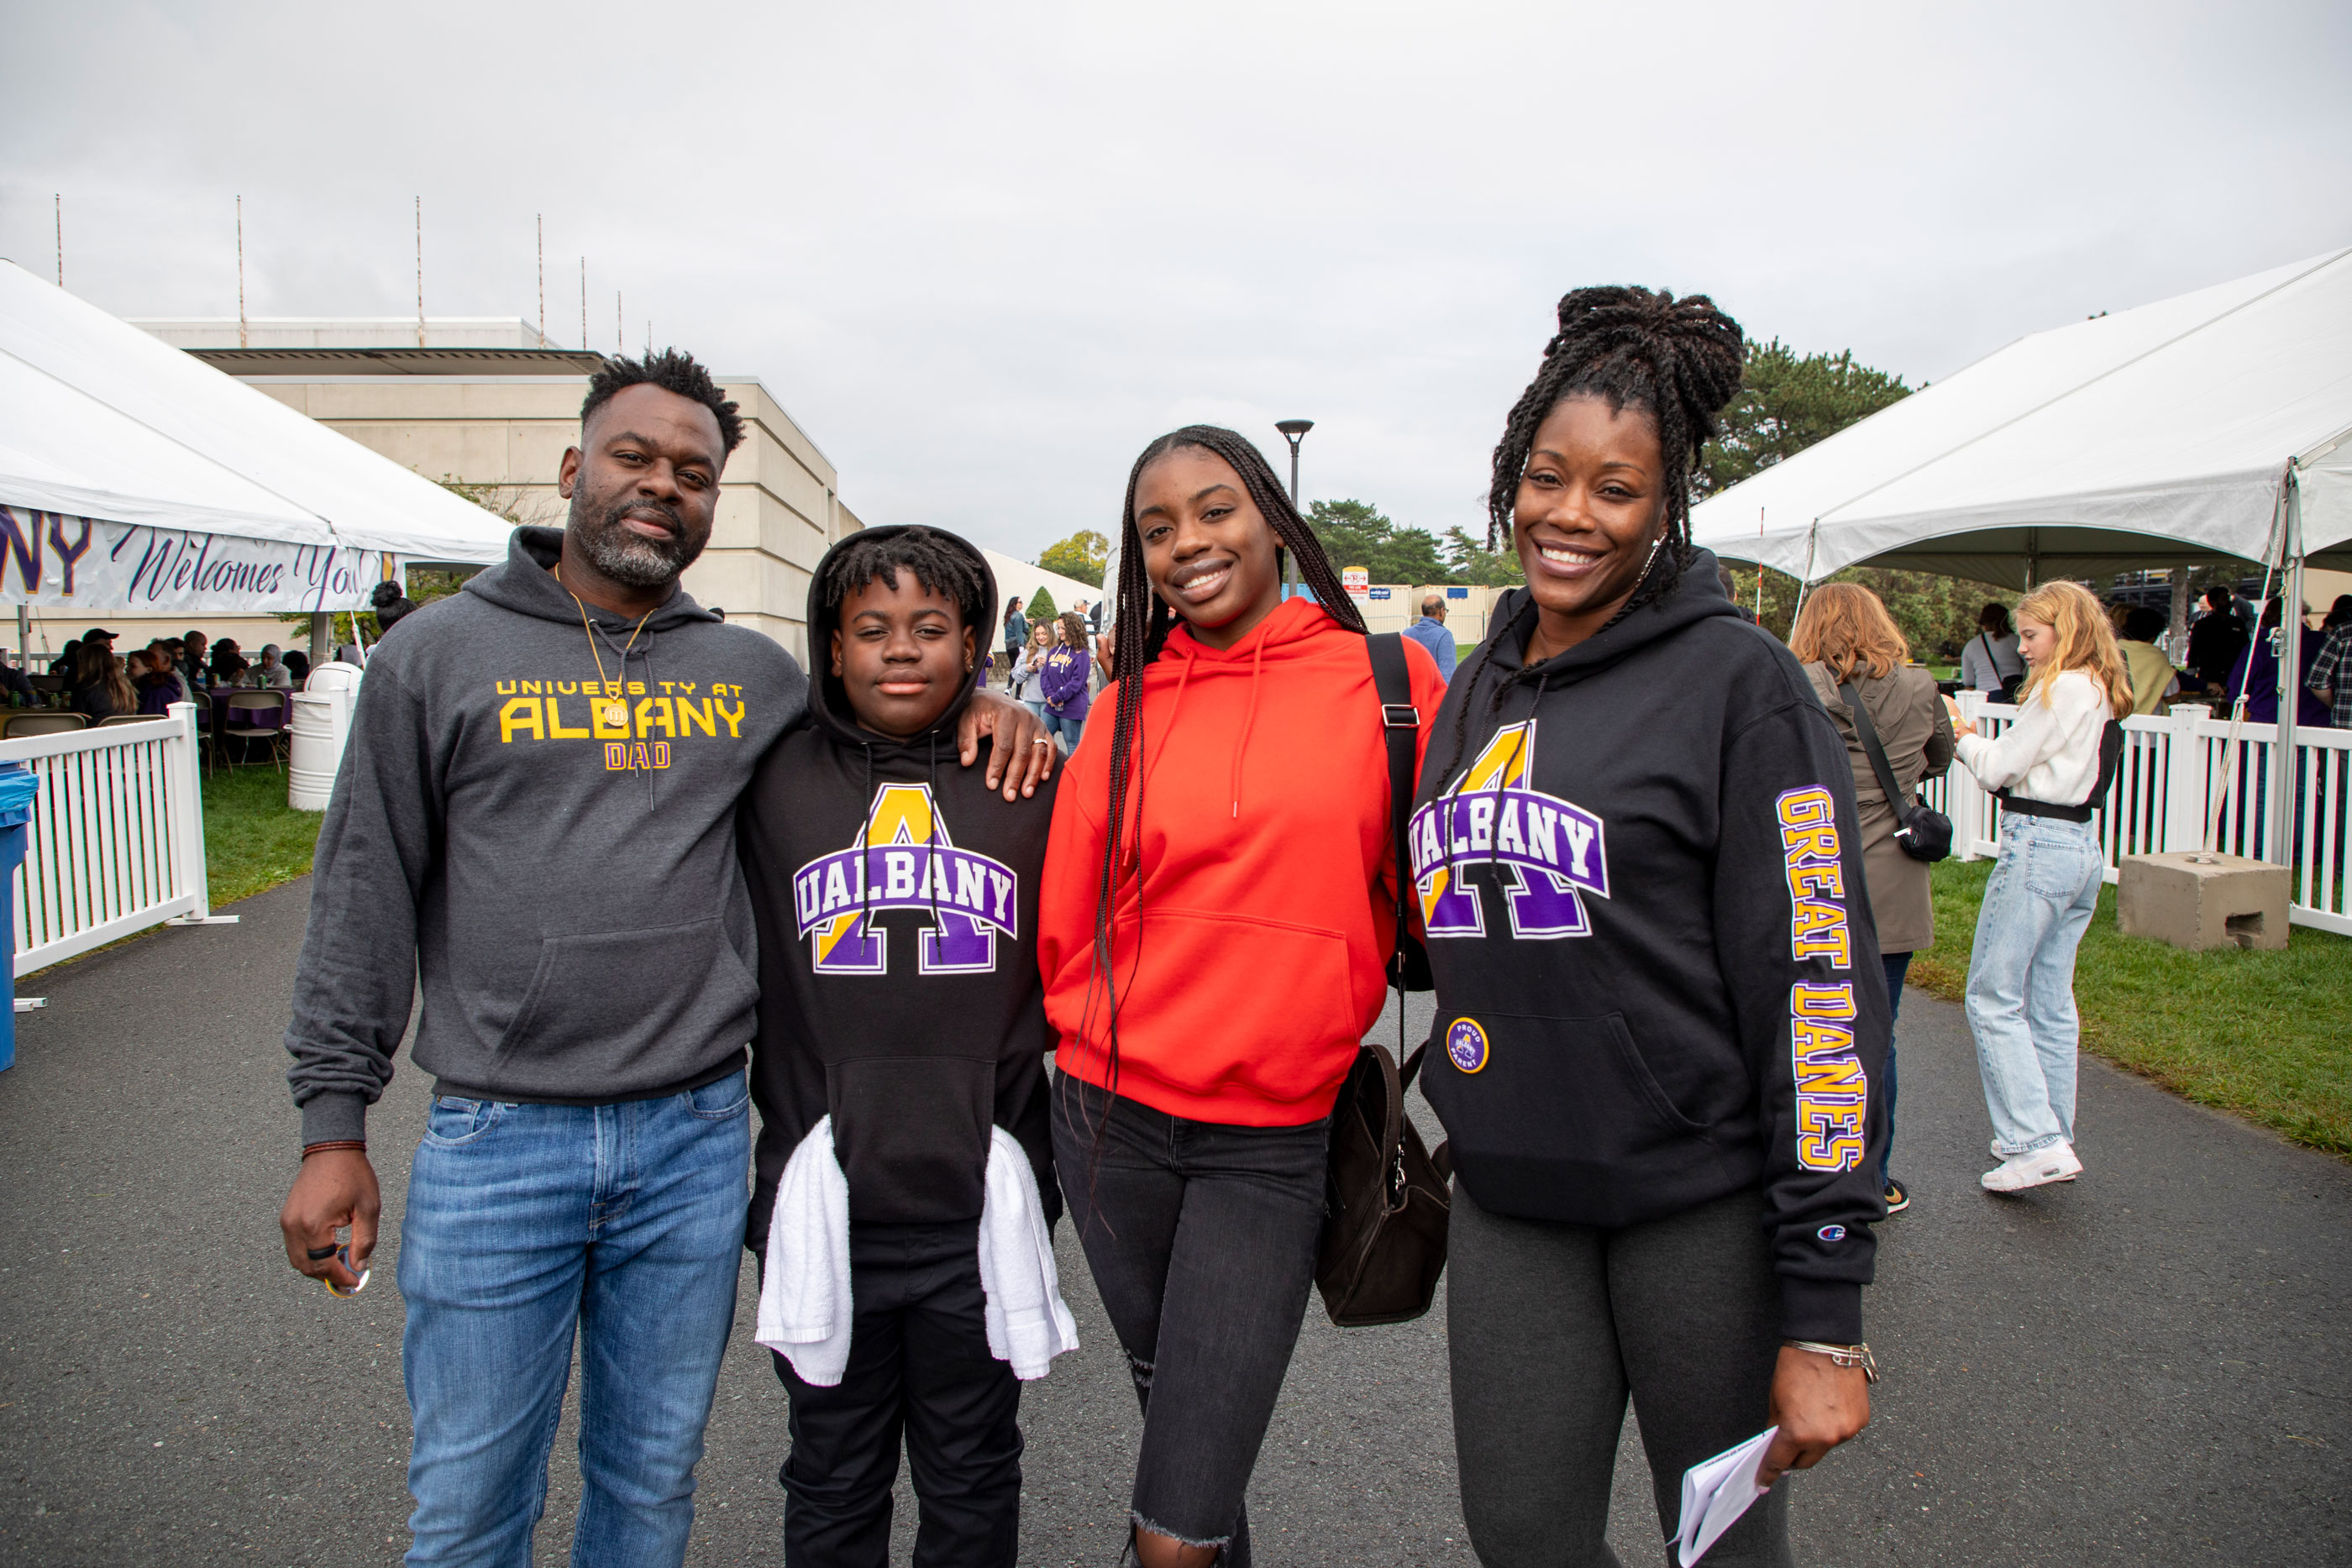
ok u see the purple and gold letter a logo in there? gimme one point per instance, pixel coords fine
(903, 859)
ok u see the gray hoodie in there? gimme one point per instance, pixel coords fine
(564, 887)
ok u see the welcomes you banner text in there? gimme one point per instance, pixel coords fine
(56, 560)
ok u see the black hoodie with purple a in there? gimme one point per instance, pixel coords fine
(1658, 977)
(895, 896)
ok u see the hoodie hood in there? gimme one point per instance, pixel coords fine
(525, 584)
(1698, 596)
(829, 708)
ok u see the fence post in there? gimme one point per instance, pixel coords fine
(2186, 771)
(1966, 797)
(185, 770)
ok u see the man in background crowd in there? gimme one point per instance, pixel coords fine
(1431, 633)
(2217, 637)
(191, 661)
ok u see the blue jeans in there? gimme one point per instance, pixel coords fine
(1057, 724)
(2021, 997)
(522, 1221)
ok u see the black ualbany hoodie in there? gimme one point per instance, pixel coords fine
(1657, 979)
(902, 995)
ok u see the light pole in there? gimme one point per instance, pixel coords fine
(1293, 431)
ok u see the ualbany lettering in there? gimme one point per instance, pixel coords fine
(634, 721)
(903, 858)
(1832, 1097)
(1549, 851)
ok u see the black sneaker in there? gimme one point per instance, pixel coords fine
(1897, 1200)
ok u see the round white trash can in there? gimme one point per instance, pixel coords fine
(322, 721)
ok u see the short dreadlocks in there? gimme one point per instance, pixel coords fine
(941, 562)
(673, 371)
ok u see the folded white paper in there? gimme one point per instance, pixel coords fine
(1715, 1492)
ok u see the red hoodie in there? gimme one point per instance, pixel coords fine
(1267, 896)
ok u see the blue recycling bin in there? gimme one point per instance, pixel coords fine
(18, 788)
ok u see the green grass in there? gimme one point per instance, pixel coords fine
(253, 840)
(2266, 1036)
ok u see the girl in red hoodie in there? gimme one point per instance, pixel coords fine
(1243, 781)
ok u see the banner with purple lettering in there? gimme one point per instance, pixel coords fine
(56, 560)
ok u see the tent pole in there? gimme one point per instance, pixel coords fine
(2290, 681)
(1804, 583)
(24, 638)
(322, 637)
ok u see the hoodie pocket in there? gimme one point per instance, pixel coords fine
(1565, 1105)
(626, 1009)
(1232, 1005)
(912, 1133)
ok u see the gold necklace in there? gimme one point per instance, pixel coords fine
(615, 714)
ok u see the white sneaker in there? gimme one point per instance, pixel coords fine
(2057, 1163)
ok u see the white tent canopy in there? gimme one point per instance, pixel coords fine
(100, 423)
(2156, 437)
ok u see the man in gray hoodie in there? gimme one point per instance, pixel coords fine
(534, 826)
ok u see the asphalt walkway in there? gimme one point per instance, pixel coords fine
(2149, 1366)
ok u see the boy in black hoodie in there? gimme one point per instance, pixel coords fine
(901, 1011)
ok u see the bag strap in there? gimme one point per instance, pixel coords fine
(1400, 727)
(1877, 753)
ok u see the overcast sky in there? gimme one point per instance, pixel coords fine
(984, 254)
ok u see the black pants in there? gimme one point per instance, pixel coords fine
(1201, 1237)
(918, 1368)
(1548, 1326)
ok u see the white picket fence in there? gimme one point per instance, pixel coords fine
(117, 838)
(2169, 789)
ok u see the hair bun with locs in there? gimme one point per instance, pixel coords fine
(1678, 361)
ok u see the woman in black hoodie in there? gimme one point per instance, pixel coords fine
(1660, 1016)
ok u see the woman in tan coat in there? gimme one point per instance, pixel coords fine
(1844, 637)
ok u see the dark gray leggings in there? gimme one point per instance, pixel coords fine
(1550, 1325)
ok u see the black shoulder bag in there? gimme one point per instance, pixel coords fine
(1920, 832)
(1387, 1198)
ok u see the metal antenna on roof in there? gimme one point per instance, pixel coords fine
(620, 328)
(542, 280)
(61, 239)
(420, 272)
(583, 304)
(649, 338)
(241, 336)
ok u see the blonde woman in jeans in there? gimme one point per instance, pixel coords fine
(1845, 638)
(2046, 769)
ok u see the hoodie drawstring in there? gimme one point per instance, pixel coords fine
(931, 845)
(1249, 720)
(866, 848)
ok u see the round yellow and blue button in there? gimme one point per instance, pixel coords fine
(1466, 1045)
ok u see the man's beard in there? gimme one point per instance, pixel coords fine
(629, 558)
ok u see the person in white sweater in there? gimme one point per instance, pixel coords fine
(2046, 768)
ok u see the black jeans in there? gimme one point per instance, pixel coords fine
(1898, 965)
(1201, 1236)
(918, 1367)
(1548, 1327)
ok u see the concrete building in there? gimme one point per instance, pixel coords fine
(487, 402)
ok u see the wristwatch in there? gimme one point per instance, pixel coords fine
(1846, 1355)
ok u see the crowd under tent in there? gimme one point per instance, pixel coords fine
(135, 479)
